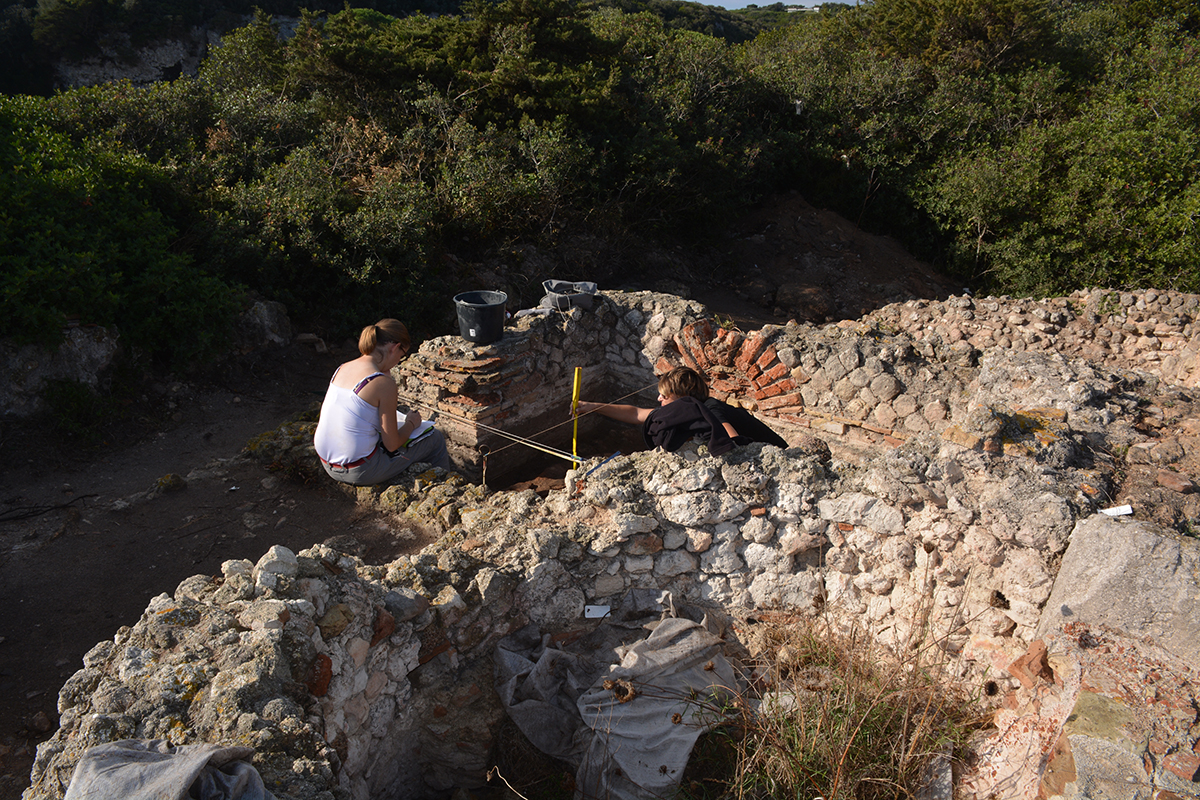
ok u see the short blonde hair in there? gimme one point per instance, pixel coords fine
(683, 382)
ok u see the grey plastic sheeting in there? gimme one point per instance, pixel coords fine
(153, 769)
(628, 727)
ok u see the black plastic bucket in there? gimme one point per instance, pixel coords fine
(481, 315)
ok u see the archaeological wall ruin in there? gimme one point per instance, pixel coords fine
(932, 490)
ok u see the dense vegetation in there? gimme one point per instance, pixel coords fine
(1029, 146)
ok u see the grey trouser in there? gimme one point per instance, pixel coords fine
(380, 467)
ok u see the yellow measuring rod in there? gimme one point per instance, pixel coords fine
(575, 410)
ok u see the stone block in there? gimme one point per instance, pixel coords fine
(1175, 482)
(1130, 575)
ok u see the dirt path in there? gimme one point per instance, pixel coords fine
(85, 544)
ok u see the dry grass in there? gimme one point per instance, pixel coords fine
(827, 716)
(831, 716)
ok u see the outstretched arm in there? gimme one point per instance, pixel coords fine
(631, 415)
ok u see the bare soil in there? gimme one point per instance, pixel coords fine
(85, 543)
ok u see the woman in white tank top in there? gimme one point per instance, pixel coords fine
(361, 438)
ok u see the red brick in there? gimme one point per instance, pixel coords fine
(782, 400)
(319, 675)
(695, 336)
(769, 391)
(893, 440)
(783, 410)
(771, 375)
(732, 340)
(468, 403)
(748, 352)
(723, 386)
(425, 656)
(794, 419)
(1032, 666)
(385, 626)
(663, 366)
(786, 385)
(765, 359)
(691, 341)
(480, 365)
(1185, 765)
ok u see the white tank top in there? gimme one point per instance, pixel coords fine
(349, 427)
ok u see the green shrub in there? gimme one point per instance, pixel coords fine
(94, 247)
(1031, 147)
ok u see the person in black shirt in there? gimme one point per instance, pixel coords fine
(685, 410)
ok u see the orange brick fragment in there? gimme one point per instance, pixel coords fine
(773, 374)
(750, 349)
(792, 399)
(764, 360)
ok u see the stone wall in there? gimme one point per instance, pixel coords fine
(859, 385)
(522, 383)
(944, 528)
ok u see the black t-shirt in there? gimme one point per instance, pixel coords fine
(671, 425)
(749, 427)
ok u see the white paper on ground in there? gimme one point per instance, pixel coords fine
(1117, 511)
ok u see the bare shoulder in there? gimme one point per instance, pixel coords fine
(379, 390)
(352, 373)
